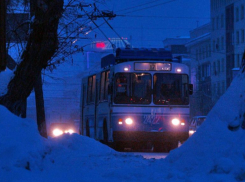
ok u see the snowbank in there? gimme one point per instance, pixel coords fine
(215, 149)
(21, 146)
(213, 153)
(5, 77)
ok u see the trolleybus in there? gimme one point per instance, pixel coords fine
(139, 98)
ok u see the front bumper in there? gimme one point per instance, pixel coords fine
(143, 136)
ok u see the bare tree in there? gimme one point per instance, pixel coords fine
(51, 40)
(40, 48)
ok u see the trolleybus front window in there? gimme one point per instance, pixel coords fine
(132, 88)
(170, 89)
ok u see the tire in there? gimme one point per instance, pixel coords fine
(159, 147)
(87, 129)
(165, 146)
(172, 145)
(119, 146)
(105, 132)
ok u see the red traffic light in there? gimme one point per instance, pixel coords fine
(100, 45)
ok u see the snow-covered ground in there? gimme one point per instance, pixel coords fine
(213, 153)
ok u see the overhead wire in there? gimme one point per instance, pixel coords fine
(124, 15)
(142, 16)
(138, 5)
(156, 28)
(150, 6)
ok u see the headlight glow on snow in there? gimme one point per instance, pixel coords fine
(191, 132)
(175, 121)
(70, 131)
(129, 121)
(57, 132)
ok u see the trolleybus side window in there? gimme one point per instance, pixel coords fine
(170, 89)
(84, 91)
(102, 86)
(132, 88)
(91, 89)
(104, 82)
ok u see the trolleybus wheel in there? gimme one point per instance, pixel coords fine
(87, 129)
(105, 132)
(172, 145)
(159, 147)
(119, 146)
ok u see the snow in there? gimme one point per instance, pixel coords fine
(5, 78)
(213, 153)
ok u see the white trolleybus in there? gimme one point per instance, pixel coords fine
(140, 98)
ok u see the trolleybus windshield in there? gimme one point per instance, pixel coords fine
(136, 88)
(132, 88)
(170, 89)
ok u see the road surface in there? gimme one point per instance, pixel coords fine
(150, 155)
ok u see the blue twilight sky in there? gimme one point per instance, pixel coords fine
(149, 22)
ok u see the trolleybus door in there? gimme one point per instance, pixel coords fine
(82, 108)
(96, 103)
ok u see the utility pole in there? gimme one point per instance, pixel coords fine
(38, 88)
(3, 57)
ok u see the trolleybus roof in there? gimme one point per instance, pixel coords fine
(134, 54)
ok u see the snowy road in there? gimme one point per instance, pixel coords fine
(150, 155)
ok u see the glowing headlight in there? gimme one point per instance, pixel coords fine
(125, 69)
(191, 132)
(70, 131)
(129, 121)
(178, 70)
(175, 121)
(57, 132)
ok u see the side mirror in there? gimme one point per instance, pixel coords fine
(190, 89)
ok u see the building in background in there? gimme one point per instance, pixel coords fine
(199, 48)
(228, 41)
(178, 48)
(17, 30)
(216, 51)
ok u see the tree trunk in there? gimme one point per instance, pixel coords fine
(41, 46)
(38, 88)
(243, 62)
(40, 111)
(3, 59)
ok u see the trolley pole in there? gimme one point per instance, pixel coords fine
(3, 57)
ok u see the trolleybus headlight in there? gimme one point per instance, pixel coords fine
(175, 121)
(178, 70)
(129, 121)
(57, 132)
(126, 69)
